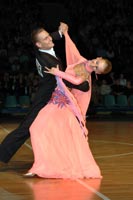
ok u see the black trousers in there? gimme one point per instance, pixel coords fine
(14, 140)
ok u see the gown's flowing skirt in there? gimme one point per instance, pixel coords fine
(60, 148)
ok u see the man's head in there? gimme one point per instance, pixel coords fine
(41, 39)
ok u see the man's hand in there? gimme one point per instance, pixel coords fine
(51, 70)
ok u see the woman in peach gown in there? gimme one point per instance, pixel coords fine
(59, 134)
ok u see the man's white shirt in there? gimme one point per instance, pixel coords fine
(49, 51)
(39, 67)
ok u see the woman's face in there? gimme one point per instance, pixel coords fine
(98, 65)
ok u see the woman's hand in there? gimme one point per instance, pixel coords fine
(51, 70)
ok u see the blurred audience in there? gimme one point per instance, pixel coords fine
(95, 29)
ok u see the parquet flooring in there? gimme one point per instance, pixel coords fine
(112, 145)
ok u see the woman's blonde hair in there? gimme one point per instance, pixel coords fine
(81, 71)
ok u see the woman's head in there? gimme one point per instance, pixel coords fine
(101, 65)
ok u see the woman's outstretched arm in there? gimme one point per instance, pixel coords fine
(64, 75)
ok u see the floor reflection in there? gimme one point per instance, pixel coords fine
(58, 189)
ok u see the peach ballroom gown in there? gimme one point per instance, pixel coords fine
(58, 137)
(59, 141)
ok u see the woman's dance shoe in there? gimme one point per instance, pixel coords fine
(29, 175)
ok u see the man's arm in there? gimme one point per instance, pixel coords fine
(56, 35)
(70, 80)
(61, 30)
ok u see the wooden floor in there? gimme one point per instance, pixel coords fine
(112, 146)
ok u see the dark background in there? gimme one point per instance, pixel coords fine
(92, 24)
(98, 28)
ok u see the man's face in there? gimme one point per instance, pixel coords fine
(44, 40)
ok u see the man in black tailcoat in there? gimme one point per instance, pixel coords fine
(45, 56)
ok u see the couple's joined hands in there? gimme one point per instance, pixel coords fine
(63, 28)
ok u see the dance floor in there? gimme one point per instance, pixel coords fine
(111, 142)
